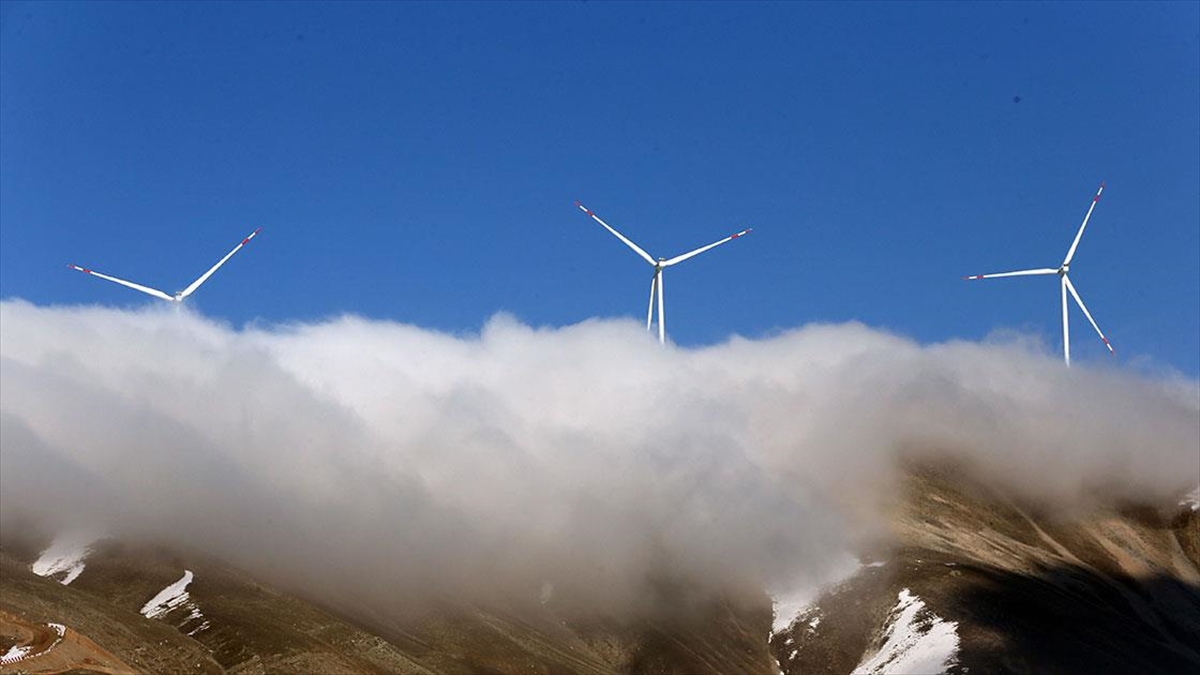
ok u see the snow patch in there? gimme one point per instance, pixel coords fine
(21, 652)
(789, 606)
(15, 654)
(789, 603)
(1192, 499)
(173, 597)
(168, 598)
(918, 641)
(809, 616)
(65, 556)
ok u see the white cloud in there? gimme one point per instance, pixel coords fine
(392, 461)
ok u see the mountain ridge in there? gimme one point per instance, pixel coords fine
(971, 578)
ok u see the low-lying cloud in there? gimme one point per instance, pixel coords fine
(388, 461)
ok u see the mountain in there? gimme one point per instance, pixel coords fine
(972, 579)
(230, 622)
(980, 581)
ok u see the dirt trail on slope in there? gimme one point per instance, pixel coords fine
(49, 654)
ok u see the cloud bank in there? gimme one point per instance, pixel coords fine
(381, 460)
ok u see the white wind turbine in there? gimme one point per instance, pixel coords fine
(180, 295)
(656, 283)
(1065, 283)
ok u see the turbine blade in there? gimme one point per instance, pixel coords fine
(1079, 235)
(620, 236)
(1021, 273)
(1079, 301)
(702, 249)
(137, 287)
(650, 309)
(662, 319)
(1062, 288)
(204, 277)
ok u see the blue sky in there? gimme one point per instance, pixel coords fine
(419, 163)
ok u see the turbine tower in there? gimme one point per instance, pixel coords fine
(656, 282)
(179, 295)
(1065, 284)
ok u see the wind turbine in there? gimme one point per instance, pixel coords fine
(179, 295)
(656, 283)
(1065, 283)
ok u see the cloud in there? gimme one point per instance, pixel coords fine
(383, 461)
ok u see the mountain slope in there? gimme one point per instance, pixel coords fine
(147, 646)
(230, 622)
(972, 579)
(1028, 589)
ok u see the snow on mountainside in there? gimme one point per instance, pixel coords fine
(173, 597)
(1192, 500)
(790, 606)
(20, 652)
(65, 556)
(918, 641)
(168, 598)
(14, 654)
(794, 604)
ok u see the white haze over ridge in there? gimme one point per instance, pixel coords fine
(387, 461)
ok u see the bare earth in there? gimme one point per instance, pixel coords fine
(74, 652)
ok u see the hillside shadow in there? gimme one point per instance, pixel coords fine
(1070, 620)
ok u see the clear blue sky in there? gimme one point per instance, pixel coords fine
(419, 162)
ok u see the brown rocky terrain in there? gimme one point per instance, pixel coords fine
(253, 628)
(51, 653)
